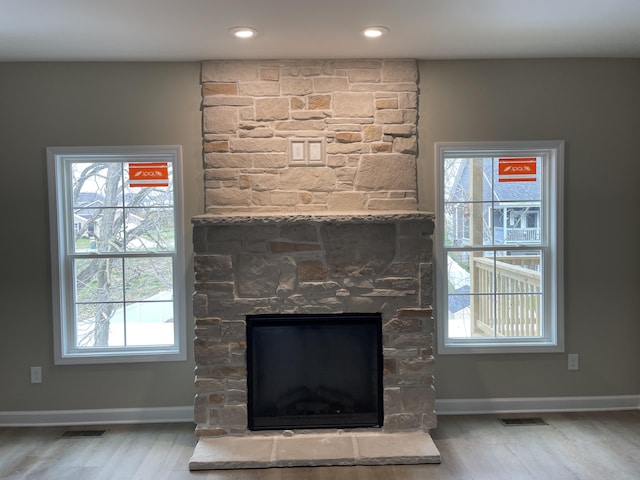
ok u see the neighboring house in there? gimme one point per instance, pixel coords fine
(512, 220)
(86, 216)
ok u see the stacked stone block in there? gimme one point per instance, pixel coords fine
(365, 111)
(309, 263)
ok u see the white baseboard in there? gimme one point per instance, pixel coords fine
(536, 404)
(96, 417)
(443, 407)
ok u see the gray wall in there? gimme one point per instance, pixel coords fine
(82, 104)
(594, 105)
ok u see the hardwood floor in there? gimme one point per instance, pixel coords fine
(599, 445)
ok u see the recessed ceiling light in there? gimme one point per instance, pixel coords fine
(374, 32)
(243, 32)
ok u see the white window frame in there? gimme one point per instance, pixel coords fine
(552, 312)
(62, 254)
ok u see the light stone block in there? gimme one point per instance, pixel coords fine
(405, 145)
(293, 450)
(386, 172)
(296, 86)
(270, 160)
(258, 89)
(384, 87)
(230, 71)
(347, 201)
(225, 100)
(408, 100)
(219, 89)
(391, 204)
(308, 178)
(300, 125)
(400, 71)
(264, 182)
(216, 146)
(227, 197)
(364, 75)
(255, 145)
(309, 115)
(343, 148)
(270, 74)
(330, 84)
(353, 105)
(257, 133)
(372, 133)
(387, 103)
(272, 108)
(220, 120)
(227, 160)
(319, 102)
(389, 116)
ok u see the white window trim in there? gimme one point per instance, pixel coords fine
(553, 340)
(62, 299)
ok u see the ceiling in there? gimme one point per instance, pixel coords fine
(187, 30)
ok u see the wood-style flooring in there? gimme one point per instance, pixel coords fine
(598, 445)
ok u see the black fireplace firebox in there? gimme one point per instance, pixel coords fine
(314, 371)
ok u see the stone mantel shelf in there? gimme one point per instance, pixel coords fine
(311, 217)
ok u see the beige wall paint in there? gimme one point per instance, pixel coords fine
(61, 104)
(594, 105)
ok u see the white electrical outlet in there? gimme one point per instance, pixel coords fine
(574, 361)
(36, 374)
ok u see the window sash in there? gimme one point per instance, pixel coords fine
(551, 337)
(64, 256)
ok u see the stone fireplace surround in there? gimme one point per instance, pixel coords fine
(312, 263)
(340, 235)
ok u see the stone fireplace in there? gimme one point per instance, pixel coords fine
(311, 209)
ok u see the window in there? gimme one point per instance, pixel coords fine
(499, 247)
(117, 254)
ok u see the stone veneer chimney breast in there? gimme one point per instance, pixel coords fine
(364, 112)
(311, 207)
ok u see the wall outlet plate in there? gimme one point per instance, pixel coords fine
(36, 374)
(573, 361)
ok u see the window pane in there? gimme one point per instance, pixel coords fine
(518, 272)
(150, 229)
(150, 323)
(148, 278)
(519, 290)
(468, 224)
(458, 272)
(518, 315)
(468, 179)
(95, 326)
(102, 230)
(482, 271)
(96, 184)
(517, 223)
(459, 315)
(98, 280)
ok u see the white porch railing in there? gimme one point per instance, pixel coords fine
(517, 301)
(523, 235)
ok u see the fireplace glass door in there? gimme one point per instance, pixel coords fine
(314, 371)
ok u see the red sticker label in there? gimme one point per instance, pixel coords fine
(149, 174)
(517, 169)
